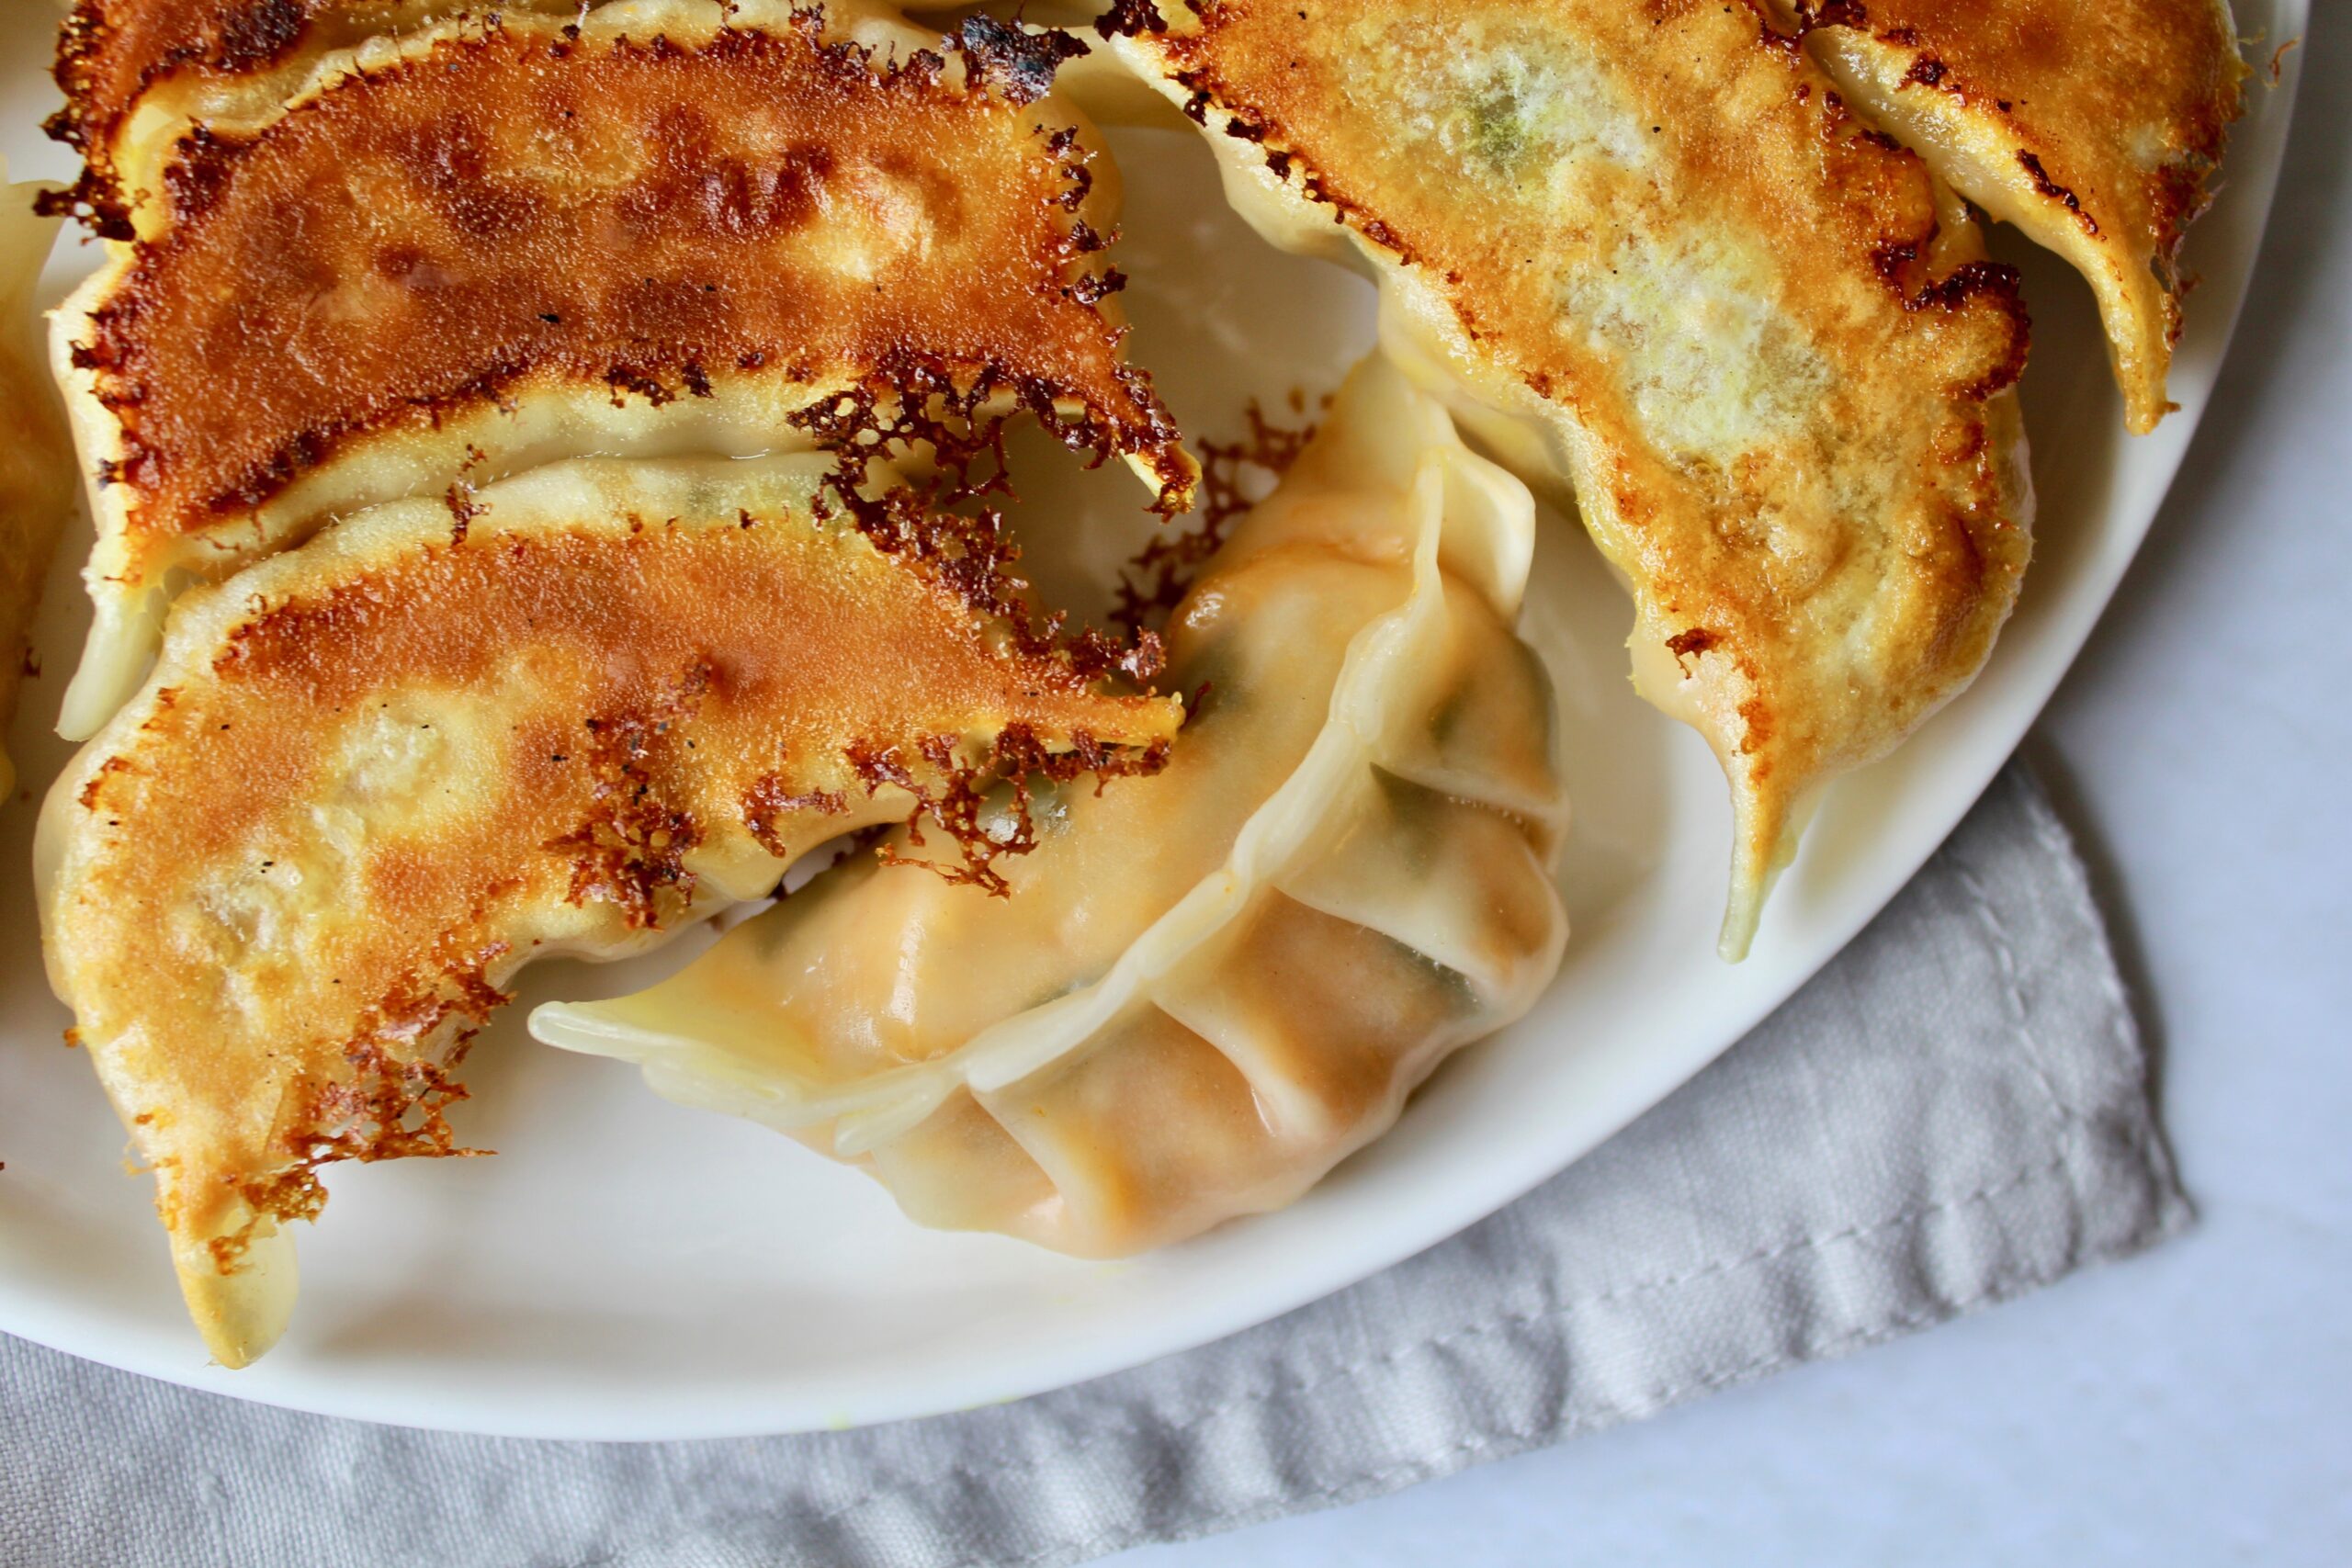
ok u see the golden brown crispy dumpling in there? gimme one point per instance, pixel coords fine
(136, 74)
(2093, 126)
(36, 461)
(1646, 249)
(1207, 986)
(373, 777)
(665, 229)
(140, 74)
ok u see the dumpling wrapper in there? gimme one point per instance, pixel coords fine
(137, 74)
(2092, 126)
(373, 777)
(469, 249)
(36, 458)
(1207, 986)
(1645, 251)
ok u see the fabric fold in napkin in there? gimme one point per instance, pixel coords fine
(1954, 1111)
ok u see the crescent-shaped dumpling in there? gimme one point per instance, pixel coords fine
(1647, 250)
(2091, 125)
(669, 227)
(1206, 987)
(138, 74)
(372, 777)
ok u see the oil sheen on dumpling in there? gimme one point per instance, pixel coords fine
(1648, 250)
(36, 460)
(2092, 126)
(666, 229)
(1209, 985)
(374, 776)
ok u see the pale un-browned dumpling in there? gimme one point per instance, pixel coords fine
(1650, 256)
(1207, 986)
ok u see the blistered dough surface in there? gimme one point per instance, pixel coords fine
(372, 777)
(500, 214)
(1764, 350)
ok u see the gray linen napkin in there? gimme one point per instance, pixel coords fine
(1954, 1111)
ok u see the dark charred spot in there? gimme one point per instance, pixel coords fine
(2051, 188)
(1892, 260)
(1017, 63)
(89, 201)
(1832, 13)
(624, 379)
(1130, 19)
(1789, 45)
(109, 53)
(463, 510)
(1093, 287)
(199, 172)
(1689, 645)
(1998, 285)
(1081, 179)
(258, 34)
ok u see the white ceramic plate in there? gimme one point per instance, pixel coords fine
(630, 1270)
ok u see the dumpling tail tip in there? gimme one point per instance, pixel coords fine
(243, 1312)
(1767, 833)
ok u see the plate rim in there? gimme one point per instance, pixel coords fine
(1473, 1194)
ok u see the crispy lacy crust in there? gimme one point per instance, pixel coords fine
(2093, 126)
(512, 210)
(373, 777)
(1770, 358)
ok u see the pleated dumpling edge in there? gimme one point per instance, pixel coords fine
(1207, 986)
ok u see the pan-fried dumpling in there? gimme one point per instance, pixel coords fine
(36, 462)
(668, 229)
(137, 74)
(1206, 987)
(2091, 126)
(1648, 250)
(374, 776)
